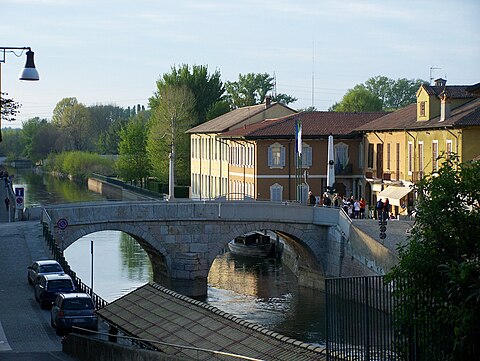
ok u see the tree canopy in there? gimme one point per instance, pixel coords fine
(251, 89)
(207, 89)
(379, 93)
(439, 268)
(8, 109)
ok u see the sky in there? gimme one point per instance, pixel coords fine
(113, 51)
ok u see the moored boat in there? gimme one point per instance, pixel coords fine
(255, 244)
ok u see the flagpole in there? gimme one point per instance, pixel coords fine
(298, 167)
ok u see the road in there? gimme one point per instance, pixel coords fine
(25, 331)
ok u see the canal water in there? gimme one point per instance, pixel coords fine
(262, 291)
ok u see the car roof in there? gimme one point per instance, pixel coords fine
(58, 276)
(75, 295)
(47, 261)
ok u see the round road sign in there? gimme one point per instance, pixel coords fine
(19, 200)
(62, 223)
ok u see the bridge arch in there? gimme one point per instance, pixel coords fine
(182, 240)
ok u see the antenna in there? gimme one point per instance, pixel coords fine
(274, 85)
(313, 73)
(432, 68)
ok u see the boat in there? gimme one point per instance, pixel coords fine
(255, 244)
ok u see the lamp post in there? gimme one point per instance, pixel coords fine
(28, 73)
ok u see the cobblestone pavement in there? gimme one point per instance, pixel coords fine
(25, 331)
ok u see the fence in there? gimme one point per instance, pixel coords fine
(58, 255)
(368, 319)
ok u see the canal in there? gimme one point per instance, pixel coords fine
(262, 291)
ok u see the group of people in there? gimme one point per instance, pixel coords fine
(382, 209)
(355, 208)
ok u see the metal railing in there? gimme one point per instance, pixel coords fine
(59, 257)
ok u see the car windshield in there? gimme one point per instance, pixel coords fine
(78, 304)
(58, 284)
(49, 268)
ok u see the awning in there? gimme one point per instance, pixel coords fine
(394, 194)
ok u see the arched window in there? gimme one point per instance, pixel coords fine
(276, 192)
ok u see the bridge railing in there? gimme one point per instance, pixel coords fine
(59, 257)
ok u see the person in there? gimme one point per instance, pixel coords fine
(379, 209)
(327, 202)
(356, 209)
(363, 205)
(386, 209)
(7, 203)
(311, 199)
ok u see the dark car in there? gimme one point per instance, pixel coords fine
(40, 268)
(49, 286)
(73, 309)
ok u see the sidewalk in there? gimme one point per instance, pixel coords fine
(27, 334)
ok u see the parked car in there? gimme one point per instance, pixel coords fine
(73, 309)
(40, 268)
(49, 286)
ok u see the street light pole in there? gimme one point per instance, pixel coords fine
(28, 73)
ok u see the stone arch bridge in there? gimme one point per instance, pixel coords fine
(182, 238)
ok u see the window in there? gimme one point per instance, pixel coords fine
(410, 158)
(276, 156)
(420, 159)
(370, 156)
(434, 155)
(423, 112)
(276, 192)
(361, 156)
(306, 156)
(397, 150)
(388, 156)
(341, 154)
(449, 148)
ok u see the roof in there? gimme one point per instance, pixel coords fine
(155, 313)
(231, 119)
(452, 91)
(406, 118)
(314, 124)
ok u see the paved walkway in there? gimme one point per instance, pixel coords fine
(25, 331)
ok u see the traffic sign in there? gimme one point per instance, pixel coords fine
(62, 223)
(19, 200)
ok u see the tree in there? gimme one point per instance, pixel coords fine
(439, 268)
(207, 89)
(39, 137)
(73, 118)
(173, 115)
(8, 110)
(395, 94)
(251, 89)
(12, 144)
(359, 99)
(133, 163)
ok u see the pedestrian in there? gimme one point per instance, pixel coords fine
(379, 209)
(7, 203)
(327, 202)
(386, 209)
(356, 209)
(363, 205)
(311, 199)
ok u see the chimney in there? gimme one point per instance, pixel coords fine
(444, 106)
(268, 101)
(440, 82)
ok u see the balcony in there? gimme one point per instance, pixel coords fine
(346, 169)
(387, 176)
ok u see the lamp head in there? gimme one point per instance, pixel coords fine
(29, 72)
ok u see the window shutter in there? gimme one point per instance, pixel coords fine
(307, 161)
(270, 156)
(282, 156)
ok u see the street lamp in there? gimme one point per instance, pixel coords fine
(28, 73)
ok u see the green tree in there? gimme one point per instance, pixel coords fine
(133, 163)
(37, 139)
(12, 144)
(8, 109)
(206, 88)
(439, 268)
(251, 89)
(395, 94)
(359, 99)
(73, 118)
(173, 115)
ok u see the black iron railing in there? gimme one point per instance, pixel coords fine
(59, 257)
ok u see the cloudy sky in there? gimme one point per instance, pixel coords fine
(113, 51)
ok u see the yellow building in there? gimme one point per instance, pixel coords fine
(405, 145)
(213, 158)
